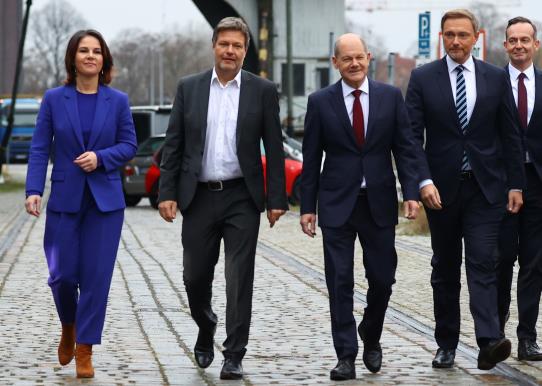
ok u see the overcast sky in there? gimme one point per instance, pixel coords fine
(397, 25)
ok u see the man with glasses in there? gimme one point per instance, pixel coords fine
(521, 234)
(462, 108)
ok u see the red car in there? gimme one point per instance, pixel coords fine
(292, 170)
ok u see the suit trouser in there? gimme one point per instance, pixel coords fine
(380, 262)
(471, 218)
(231, 215)
(521, 238)
(81, 250)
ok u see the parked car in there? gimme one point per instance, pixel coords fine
(292, 170)
(24, 123)
(133, 172)
(150, 121)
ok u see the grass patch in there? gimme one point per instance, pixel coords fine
(418, 227)
(10, 186)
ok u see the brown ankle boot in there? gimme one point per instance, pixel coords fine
(66, 347)
(83, 361)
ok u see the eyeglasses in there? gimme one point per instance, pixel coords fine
(460, 36)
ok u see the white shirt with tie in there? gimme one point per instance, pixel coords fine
(349, 104)
(469, 74)
(529, 83)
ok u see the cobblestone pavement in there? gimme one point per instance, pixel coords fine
(149, 334)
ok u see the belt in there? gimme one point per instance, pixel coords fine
(217, 186)
(466, 175)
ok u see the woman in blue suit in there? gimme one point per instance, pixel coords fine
(90, 129)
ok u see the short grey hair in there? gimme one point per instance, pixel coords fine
(336, 46)
(232, 24)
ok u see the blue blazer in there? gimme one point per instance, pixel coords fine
(328, 129)
(112, 138)
(492, 140)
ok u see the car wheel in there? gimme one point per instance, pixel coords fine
(132, 200)
(295, 197)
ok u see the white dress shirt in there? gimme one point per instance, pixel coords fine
(529, 85)
(220, 160)
(469, 73)
(349, 104)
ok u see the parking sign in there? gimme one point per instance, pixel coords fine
(424, 34)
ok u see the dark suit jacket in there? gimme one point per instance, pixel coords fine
(328, 129)
(532, 137)
(258, 118)
(112, 138)
(492, 127)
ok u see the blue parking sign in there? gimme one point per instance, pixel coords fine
(424, 34)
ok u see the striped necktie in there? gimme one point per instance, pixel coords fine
(461, 108)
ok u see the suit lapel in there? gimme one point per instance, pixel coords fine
(70, 103)
(374, 103)
(516, 112)
(337, 103)
(481, 90)
(245, 93)
(102, 108)
(443, 80)
(203, 89)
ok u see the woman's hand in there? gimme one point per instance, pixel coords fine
(33, 205)
(88, 161)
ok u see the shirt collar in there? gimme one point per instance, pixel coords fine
(452, 64)
(514, 72)
(348, 89)
(236, 80)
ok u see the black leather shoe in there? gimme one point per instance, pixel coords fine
(528, 350)
(444, 359)
(494, 352)
(372, 357)
(203, 351)
(231, 369)
(204, 358)
(345, 369)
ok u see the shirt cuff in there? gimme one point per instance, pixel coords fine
(516, 190)
(32, 193)
(425, 183)
(98, 159)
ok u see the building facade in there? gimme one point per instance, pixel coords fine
(10, 29)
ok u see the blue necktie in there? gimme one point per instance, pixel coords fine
(461, 108)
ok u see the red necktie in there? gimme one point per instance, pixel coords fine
(357, 118)
(522, 101)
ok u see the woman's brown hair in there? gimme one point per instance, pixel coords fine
(71, 50)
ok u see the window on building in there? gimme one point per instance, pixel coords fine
(322, 77)
(299, 79)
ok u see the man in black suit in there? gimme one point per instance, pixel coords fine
(521, 234)
(359, 123)
(211, 170)
(472, 147)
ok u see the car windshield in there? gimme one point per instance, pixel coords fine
(149, 146)
(21, 119)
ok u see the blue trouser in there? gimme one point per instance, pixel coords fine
(81, 249)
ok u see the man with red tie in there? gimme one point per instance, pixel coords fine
(358, 123)
(521, 234)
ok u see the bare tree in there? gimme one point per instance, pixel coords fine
(494, 24)
(50, 29)
(136, 56)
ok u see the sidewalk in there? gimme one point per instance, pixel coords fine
(149, 334)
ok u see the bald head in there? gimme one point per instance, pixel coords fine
(348, 39)
(351, 59)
